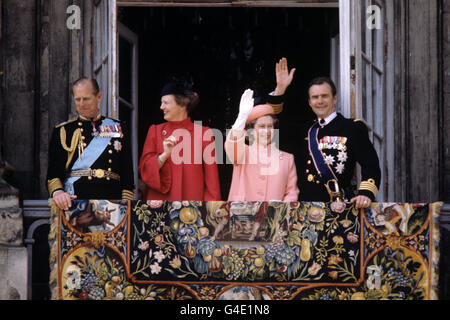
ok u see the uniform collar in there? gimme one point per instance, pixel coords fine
(327, 119)
(96, 118)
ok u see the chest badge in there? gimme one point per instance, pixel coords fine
(110, 131)
(117, 145)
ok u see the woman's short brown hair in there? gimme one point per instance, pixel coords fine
(190, 101)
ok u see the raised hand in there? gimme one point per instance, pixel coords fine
(169, 144)
(245, 107)
(284, 77)
(247, 102)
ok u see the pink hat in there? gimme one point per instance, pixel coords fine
(260, 111)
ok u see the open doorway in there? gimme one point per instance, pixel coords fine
(224, 51)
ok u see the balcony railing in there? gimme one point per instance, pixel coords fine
(37, 213)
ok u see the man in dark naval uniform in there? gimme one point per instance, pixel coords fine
(89, 155)
(329, 149)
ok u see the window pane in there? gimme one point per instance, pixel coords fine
(378, 103)
(125, 114)
(364, 90)
(363, 24)
(125, 57)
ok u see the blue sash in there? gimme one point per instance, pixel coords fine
(91, 153)
(324, 170)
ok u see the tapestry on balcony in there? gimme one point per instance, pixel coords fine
(243, 250)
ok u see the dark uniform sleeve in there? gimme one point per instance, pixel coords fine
(367, 157)
(276, 102)
(57, 158)
(126, 166)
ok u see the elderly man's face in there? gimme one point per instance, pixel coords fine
(85, 100)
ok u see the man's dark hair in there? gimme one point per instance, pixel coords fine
(93, 82)
(322, 80)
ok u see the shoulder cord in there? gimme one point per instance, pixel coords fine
(76, 142)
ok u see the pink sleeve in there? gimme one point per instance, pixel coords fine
(235, 149)
(157, 179)
(292, 191)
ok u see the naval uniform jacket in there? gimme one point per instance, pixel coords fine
(343, 142)
(115, 158)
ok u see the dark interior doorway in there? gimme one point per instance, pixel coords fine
(224, 51)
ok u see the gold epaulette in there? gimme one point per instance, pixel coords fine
(67, 122)
(53, 185)
(370, 186)
(127, 195)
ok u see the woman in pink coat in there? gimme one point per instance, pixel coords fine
(261, 172)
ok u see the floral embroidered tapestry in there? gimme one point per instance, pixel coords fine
(147, 250)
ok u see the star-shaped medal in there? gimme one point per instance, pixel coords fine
(340, 168)
(342, 156)
(329, 160)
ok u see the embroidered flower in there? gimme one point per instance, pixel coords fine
(143, 245)
(353, 238)
(346, 223)
(333, 274)
(338, 240)
(176, 262)
(314, 269)
(155, 268)
(316, 215)
(159, 238)
(117, 145)
(338, 207)
(334, 259)
(159, 255)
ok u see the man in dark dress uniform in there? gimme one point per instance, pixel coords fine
(89, 155)
(329, 149)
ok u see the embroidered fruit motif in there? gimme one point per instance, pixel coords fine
(305, 254)
(188, 215)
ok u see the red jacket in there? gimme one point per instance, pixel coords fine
(183, 176)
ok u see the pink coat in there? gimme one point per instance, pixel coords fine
(258, 177)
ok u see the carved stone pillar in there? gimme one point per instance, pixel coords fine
(13, 255)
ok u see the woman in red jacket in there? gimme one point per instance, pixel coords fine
(178, 160)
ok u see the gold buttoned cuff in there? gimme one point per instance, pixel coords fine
(127, 195)
(277, 108)
(53, 185)
(370, 186)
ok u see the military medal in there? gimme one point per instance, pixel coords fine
(94, 130)
(110, 131)
(117, 145)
